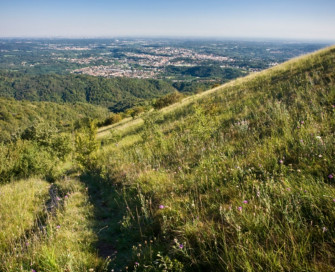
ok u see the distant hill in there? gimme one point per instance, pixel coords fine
(117, 94)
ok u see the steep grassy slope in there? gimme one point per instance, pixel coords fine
(239, 180)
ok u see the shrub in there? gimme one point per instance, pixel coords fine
(167, 100)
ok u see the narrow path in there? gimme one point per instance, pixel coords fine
(109, 212)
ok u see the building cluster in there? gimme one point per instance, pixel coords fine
(148, 63)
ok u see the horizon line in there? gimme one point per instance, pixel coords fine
(184, 37)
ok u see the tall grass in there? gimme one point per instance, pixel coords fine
(239, 180)
(62, 239)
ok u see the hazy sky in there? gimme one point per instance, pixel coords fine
(293, 19)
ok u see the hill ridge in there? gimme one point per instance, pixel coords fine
(127, 122)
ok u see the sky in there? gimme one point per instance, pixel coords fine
(253, 19)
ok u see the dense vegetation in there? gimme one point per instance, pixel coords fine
(239, 178)
(117, 94)
(205, 71)
(16, 116)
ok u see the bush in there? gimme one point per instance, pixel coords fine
(112, 119)
(85, 145)
(167, 100)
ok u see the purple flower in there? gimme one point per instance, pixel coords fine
(239, 208)
(58, 198)
(181, 246)
(58, 227)
(33, 270)
(330, 176)
(245, 201)
(136, 263)
(161, 206)
(334, 199)
(281, 161)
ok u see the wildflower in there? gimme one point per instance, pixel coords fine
(334, 199)
(302, 122)
(33, 270)
(281, 161)
(258, 193)
(330, 176)
(245, 201)
(58, 198)
(320, 156)
(137, 264)
(58, 227)
(239, 208)
(161, 206)
(181, 246)
(324, 229)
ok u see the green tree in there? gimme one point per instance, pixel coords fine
(85, 145)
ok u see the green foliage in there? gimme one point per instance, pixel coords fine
(38, 151)
(117, 94)
(205, 71)
(135, 111)
(17, 116)
(112, 119)
(167, 100)
(85, 145)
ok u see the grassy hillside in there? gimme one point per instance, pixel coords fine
(48, 228)
(239, 178)
(115, 93)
